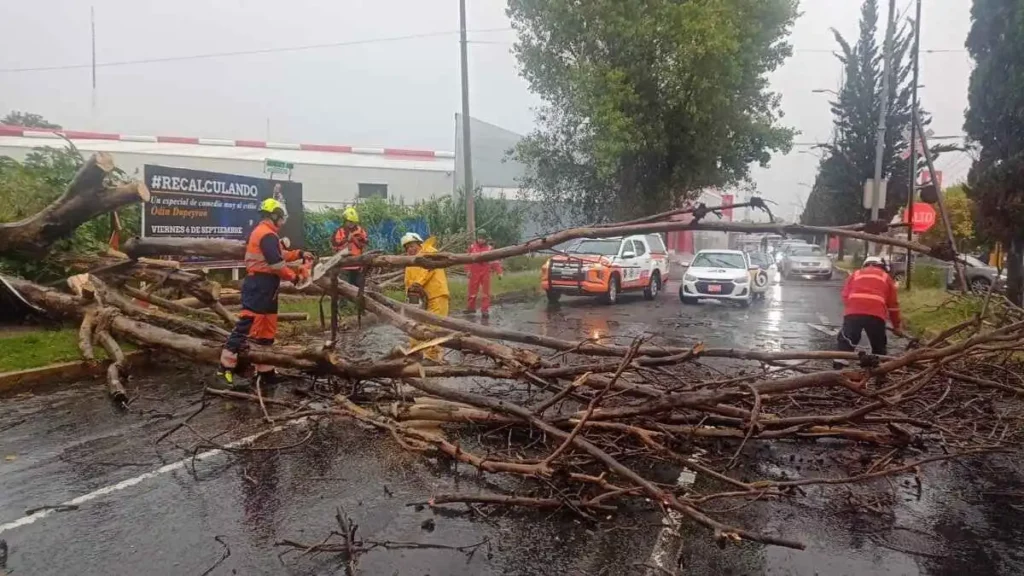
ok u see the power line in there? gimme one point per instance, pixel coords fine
(246, 52)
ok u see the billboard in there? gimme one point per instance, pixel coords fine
(200, 204)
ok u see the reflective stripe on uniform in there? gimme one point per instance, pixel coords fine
(874, 297)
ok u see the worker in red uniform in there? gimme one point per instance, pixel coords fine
(265, 265)
(352, 236)
(869, 299)
(480, 275)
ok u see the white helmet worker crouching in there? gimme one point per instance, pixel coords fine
(875, 261)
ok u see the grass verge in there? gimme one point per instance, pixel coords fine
(23, 350)
(929, 311)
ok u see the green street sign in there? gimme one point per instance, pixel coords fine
(277, 166)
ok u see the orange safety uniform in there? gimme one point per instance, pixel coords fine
(355, 240)
(265, 266)
(480, 277)
(872, 292)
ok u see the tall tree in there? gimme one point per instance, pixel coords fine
(647, 102)
(28, 120)
(995, 123)
(839, 185)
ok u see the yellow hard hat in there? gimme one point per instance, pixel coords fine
(270, 205)
(350, 215)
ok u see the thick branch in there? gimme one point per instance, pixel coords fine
(85, 198)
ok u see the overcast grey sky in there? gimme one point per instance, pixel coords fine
(396, 93)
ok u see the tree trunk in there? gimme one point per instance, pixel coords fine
(86, 197)
(1015, 271)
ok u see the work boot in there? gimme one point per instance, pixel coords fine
(485, 314)
(227, 379)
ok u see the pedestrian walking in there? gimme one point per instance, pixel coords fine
(480, 275)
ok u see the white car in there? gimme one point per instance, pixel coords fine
(718, 275)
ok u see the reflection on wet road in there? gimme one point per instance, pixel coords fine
(64, 442)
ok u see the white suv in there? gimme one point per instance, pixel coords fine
(607, 267)
(718, 275)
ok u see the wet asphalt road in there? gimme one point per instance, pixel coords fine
(138, 510)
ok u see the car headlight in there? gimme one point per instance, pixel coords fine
(689, 278)
(742, 280)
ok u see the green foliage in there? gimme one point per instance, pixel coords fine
(28, 120)
(995, 122)
(28, 187)
(648, 102)
(837, 195)
(925, 276)
(445, 216)
(961, 215)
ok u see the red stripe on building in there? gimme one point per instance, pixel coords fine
(89, 135)
(176, 140)
(326, 148)
(409, 153)
(251, 143)
(11, 130)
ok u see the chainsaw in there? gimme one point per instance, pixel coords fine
(317, 272)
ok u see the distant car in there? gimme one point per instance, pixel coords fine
(786, 247)
(806, 261)
(979, 276)
(607, 267)
(761, 278)
(719, 275)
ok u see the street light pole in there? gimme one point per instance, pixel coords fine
(913, 142)
(883, 110)
(467, 155)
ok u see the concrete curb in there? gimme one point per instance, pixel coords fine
(20, 380)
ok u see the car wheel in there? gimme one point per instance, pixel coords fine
(653, 287)
(553, 296)
(980, 285)
(612, 295)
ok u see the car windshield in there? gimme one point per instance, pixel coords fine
(807, 251)
(974, 262)
(718, 260)
(600, 247)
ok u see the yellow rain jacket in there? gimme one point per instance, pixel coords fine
(435, 284)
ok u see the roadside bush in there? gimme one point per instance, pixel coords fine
(523, 263)
(928, 277)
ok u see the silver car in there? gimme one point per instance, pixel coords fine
(806, 262)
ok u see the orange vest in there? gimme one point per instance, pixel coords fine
(354, 240)
(255, 263)
(872, 292)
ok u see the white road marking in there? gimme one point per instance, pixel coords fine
(666, 547)
(823, 319)
(31, 518)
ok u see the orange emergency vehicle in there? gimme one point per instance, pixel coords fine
(607, 267)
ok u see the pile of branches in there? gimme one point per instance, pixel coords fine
(582, 424)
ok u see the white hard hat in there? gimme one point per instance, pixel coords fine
(874, 261)
(411, 237)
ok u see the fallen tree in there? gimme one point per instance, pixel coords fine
(87, 196)
(581, 423)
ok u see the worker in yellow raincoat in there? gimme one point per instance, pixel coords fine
(426, 287)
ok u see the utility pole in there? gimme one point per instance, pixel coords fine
(467, 156)
(92, 24)
(883, 110)
(912, 177)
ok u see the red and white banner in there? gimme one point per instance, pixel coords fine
(925, 178)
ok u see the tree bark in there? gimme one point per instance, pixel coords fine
(85, 198)
(1015, 271)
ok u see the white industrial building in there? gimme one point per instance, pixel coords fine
(331, 175)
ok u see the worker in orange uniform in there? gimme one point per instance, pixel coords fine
(480, 275)
(265, 265)
(352, 236)
(426, 287)
(869, 299)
